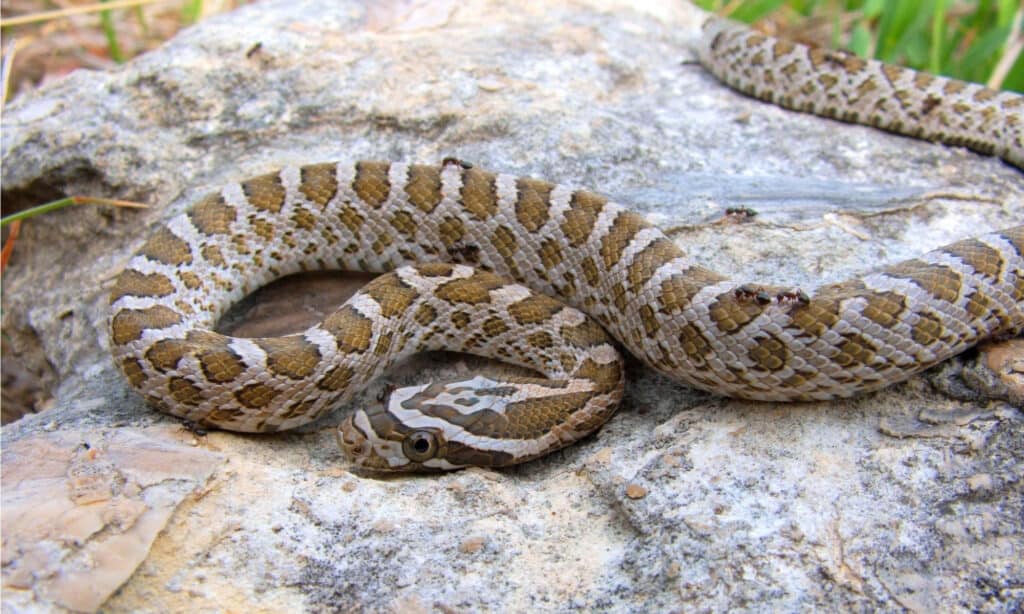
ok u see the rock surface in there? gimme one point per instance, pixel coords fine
(908, 499)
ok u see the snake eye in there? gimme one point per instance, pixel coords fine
(420, 446)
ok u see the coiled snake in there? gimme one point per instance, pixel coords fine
(414, 222)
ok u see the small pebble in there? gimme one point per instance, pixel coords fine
(471, 545)
(981, 482)
(636, 491)
(490, 85)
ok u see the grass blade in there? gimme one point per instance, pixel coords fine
(110, 32)
(64, 202)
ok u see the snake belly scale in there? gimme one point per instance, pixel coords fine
(528, 272)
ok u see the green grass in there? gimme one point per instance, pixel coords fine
(966, 40)
(110, 33)
(65, 202)
(191, 11)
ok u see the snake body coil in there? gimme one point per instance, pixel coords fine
(732, 337)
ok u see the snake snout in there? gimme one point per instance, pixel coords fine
(352, 441)
(363, 447)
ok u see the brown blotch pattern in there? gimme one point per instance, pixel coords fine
(263, 229)
(866, 87)
(533, 202)
(424, 187)
(884, 308)
(165, 354)
(1015, 237)
(584, 208)
(922, 80)
(678, 290)
(319, 183)
(351, 219)
(479, 193)
(590, 272)
(584, 335)
(855, 350)
(293, 356)
(982, 307)
(622, 231)
(550, 253)
(928, 329)
(451, 230)
(213, 255)
(184, 391)
(540, 339)
(255, 396)
(435, 269)
(619, 299)
(337, 378)
(297, 409)
(494, 326)
(134, 372)
(532, 418)
(220, 364)
(371, 183)
(649, 320)
(392, 294)
(461, 454)
(954, 87)
(695, 344)
(534, 309)
(769, 354)
(941, 282)
(304, 218)
(383, 343)
(351, 329)
(847, 61)
(228, 415)
(133, 283)
(425, 315)
(649, 260)
(979, 257)
(891, 72)
(404, 223)
(821, 313)
(505, 243)
(460, 319)
(985, 94)
(472, 290)
(568, 362)
(127, 324)
(782, 48)
(265, 192)
(527, 419)
(212, 215)
(606, 376)
(166, 247)
(190, 280)
(827, 81)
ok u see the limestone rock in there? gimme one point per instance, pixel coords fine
(904, 499)
(81, 510)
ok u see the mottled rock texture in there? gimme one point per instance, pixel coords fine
(908, 499)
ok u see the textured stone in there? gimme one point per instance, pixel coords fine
(82, 508)
(870, 504)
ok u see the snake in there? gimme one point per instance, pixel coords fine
(550, 278)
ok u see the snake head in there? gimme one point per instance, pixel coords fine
(409, 451)
(438, 426)
(376, 440)
(479, 421)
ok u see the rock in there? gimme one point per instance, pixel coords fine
(683, 501)
(81, 510)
